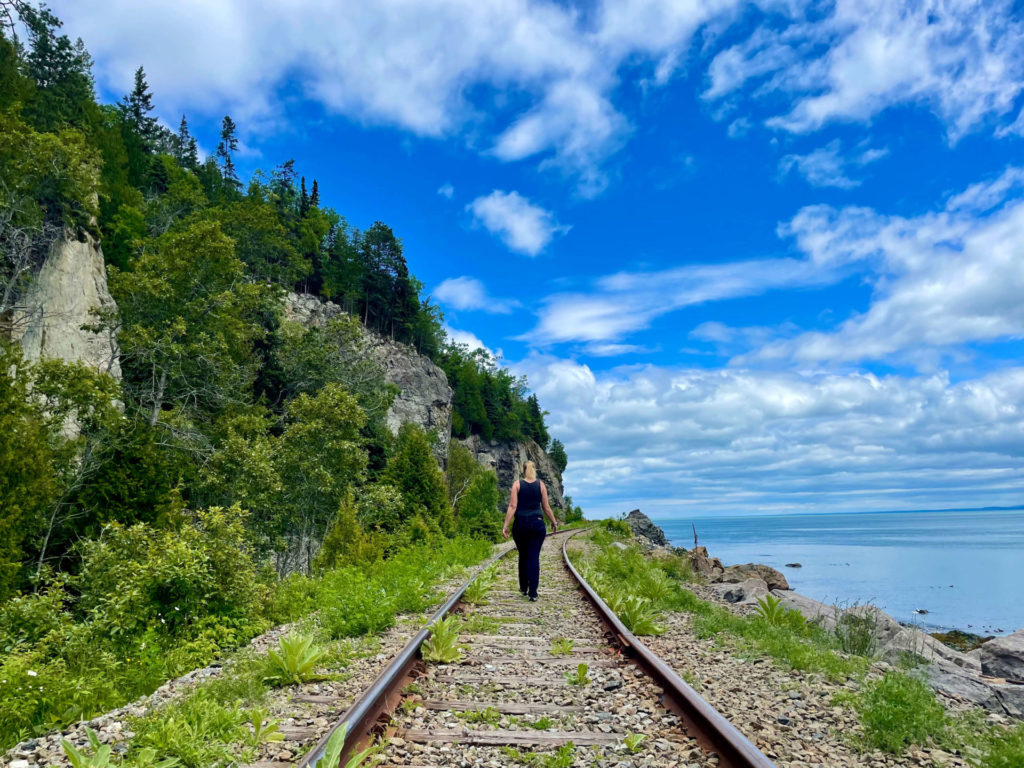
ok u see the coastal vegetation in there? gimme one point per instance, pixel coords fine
(896, 708)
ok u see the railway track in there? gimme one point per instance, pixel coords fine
(518, 695)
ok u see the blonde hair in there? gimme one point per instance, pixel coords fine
(529, 472)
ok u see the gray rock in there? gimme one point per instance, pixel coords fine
(70, 284)
(1004, 656)
(737, 573)
(743, 593)
(644, 528)
(424, 397)
(507, 460)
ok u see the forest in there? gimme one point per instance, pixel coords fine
(152, 521)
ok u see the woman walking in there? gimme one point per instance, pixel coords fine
(526, 500)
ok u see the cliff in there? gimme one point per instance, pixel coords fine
(507, 460)
(424, 397)
(59, 301)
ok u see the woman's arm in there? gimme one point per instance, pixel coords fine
(513, 502)
(547, 507)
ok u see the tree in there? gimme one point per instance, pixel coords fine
(414, 471)
(186, 326)
(228, 145)
(558, 456)
(478, 513)
(318, 456)
(346, 543)
(136, 110)
(186, 151)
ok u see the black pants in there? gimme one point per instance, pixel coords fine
(529, 533)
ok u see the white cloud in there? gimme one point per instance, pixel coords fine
(469, 293)
(446, 190)
(940, 280)
(470, 340)
(521, 225)
(629, 301)
(673, 440)
(962, 59)
(828, 166)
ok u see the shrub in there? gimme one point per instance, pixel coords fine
(618, 528)
(898, 710)
(856, 631)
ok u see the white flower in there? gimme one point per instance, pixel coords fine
(31, 673)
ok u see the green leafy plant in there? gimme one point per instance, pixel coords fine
(540, 724)
(637, 614)
(294, 660)
(1003, 750)
(857, 631)
(147, 758)
(487, 716)
(442, 645)
(560, 758)
(899, 710)
(264, 730)
(634, 742)
(100, 757)
(478, 589)
(478, 624)
(581, 676)
(336, 745)
(561, 647)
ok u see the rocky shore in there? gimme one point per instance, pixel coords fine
(990, 676)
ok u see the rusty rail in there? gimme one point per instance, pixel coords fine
(700, 720)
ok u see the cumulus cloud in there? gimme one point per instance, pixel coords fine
(702, 440)
(446, 190)
(469, 293)
(828, 166)
(962, 59)
(940, 280)
(470, 340)
(521, 225)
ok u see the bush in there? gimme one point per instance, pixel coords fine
(618, 528)
(899, 710)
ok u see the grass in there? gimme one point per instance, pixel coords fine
(899, 710)
(486, 716)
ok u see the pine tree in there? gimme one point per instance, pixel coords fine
(314, 197)
(136, 109)
(303, 200)
(185, 149)
(559, 457)
(228, 144)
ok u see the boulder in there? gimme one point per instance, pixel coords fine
(894, 640)
(737, 573)
(71, 282)
(507, 460)
(644, 528)
(812, 610)
(743, 593)
(1004, 656)
(708, 567)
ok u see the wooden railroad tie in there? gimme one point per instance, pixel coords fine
(503, 737)
(505, 707)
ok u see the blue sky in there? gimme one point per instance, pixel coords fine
(753, 256)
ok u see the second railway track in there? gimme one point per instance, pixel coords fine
(511, 699)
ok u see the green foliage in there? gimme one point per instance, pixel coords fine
(561, 647)
(618, 528)
(634, 742)
(442, 645)
(542, 723)
(336, 745)
(899, 710)
(1004, 749)
(857, 631)
(558, 455)
(198, 731)
(560, 758)
(294, 661)
(476, 592)
(413, 470)
(581, 675)
(771, 611)
(346, 543)
(487, 716)
(100, 757)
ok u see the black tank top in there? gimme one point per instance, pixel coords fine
(529, 498)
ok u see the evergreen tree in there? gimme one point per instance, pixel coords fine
(228, 145)
(414, 471)
(314, 197)
(186, 151)
(559, 457)
(303, 200)
(136, 109)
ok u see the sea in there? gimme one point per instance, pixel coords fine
(940, 570)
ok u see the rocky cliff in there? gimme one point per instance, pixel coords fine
(424, 397)
(507, 460)
(71, 282)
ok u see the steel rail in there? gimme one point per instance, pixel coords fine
(385, 692)
(700, 720)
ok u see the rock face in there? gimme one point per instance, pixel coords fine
(507, 460)
(1004, 656)
(424, 397)
(734, 574)
(643, 527)
(744, 593)
(71, 282)
(710, 568)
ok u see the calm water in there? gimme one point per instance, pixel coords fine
(965, 568)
